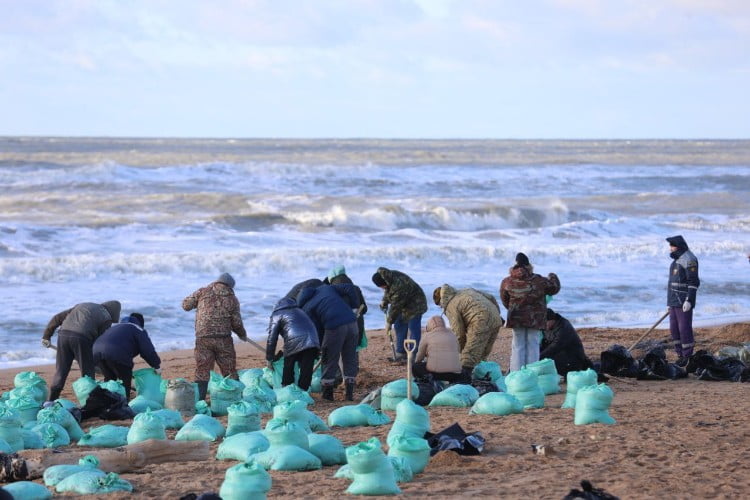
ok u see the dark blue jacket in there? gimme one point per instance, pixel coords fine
(683, 275)
(124, 341)
(294, 326)
(329, 306)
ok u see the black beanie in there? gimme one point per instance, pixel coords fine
(378, 280)
(521, 259)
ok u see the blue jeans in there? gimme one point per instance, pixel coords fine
(414, 326)
(524, 347)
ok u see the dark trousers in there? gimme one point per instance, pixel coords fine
(71, 346)
(306, 360)
(681, 330)
(420, 370)
(117, 371)
(340, 342)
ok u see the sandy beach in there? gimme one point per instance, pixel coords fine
(673, 439)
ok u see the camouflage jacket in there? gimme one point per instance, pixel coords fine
(218, 311)
(403, 297)
(522, 293)
(471, 313)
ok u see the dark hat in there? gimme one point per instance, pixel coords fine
(137, 319)
(378, 280)
(227, 279)
(677, 241)
(436, 295)
(551, 314)
(521, 259)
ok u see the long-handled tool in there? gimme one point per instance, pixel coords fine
(409, 346)
(254, 343)
(389, 332)
(649, 331)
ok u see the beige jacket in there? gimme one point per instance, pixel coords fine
(440, 347)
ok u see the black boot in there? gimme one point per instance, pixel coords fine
(202, 389)
(327, 392)
(350, 390)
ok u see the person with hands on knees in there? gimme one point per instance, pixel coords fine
(682, 289)
(301, 343)
(115, 349)
(79, 327)
(217, 316)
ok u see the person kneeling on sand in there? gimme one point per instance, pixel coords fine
(301, 343)
(475, 317)
(115, 349)
(217, 316)
(440, 347)
(562, 345)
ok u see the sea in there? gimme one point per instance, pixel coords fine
(148, 221)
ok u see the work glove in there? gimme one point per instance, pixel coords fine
(383, 306)
(158, 371)
(46, 343)
(269, 364)
(686, 306)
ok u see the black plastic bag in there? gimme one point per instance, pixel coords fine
(106, 405)
(654, 366)
(588, 492)
(428, 387)
(454, 438)
(617, 361)
(484, 385)
(708, 367)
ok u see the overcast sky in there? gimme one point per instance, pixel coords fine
(376, 68)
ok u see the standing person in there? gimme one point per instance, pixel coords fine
(338, 276)
(217, 316)
(115, 349)
(475, 317)
(301, 343)
(523, 294)
(440, 347)
(330, 308)
(562, 345)
(403, 303)
(681, 291)
(79, 326)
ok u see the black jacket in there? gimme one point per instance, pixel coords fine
(294, 326)
(124, 341)
(296, 289)
(683, 274)
(563, 346)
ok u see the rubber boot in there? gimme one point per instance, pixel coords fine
(327, 392)
(349, 391)
(202, 389)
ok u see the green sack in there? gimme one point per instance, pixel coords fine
(140, 404)
(114, 386)
(411, 419)
(27, 490)
(58, 414)
(292, 392)
(280, 432)
(547, 376)
(90, 483)
(524, 386)
(201, 428)
(243, 417)
(489, 370)
(242, 446)
(373, 472)
(10, 429)
(33, 380)
(53, 435)
(260, 394)
(293, 411)
(56, 473)
(357, 415)
(146, 426)
(225, 393)
(592, 403)
(287, 457)
(414, 450)
(401, 470)
(327, 448)
(82, 388)
(460, 395)
(148, 384)
(5, 447)
(245, 481)
(25, 406)
(249, 374)
(273, 377)
(66, 403)
(496, 403)
(202, 408)
(172, 419)
(31, 440)
(576, 380)
(394, 392)
(105, 436)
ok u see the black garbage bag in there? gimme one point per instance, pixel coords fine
(588, 492)
(654, 366)
(202, 496)
(454, 438)
(484, 385)
(106, 405)
(709, 367)
(428, 387)
(617, 361)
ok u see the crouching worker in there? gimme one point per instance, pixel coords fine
(301, 344)
(115, 349)
(562, 345)
(440, 347)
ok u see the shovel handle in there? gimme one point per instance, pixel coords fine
(649, 331)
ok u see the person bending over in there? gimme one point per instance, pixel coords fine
(301, 343)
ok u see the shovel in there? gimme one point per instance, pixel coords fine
(649, 331)
(409, 346)
(254, 343)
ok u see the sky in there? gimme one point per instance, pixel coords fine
(376, 68)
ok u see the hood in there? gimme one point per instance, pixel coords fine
(447, 293)
(304, 296)
(521, 271)
(113, 307)
(386, 274)
(434, 323)
(678, 241)
(285, 303)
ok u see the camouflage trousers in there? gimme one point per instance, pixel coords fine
(219, 350)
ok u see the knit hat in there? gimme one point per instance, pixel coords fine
(378, 280)
(336, 271)
(521, 259)
(136, 318)
(227, 279)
